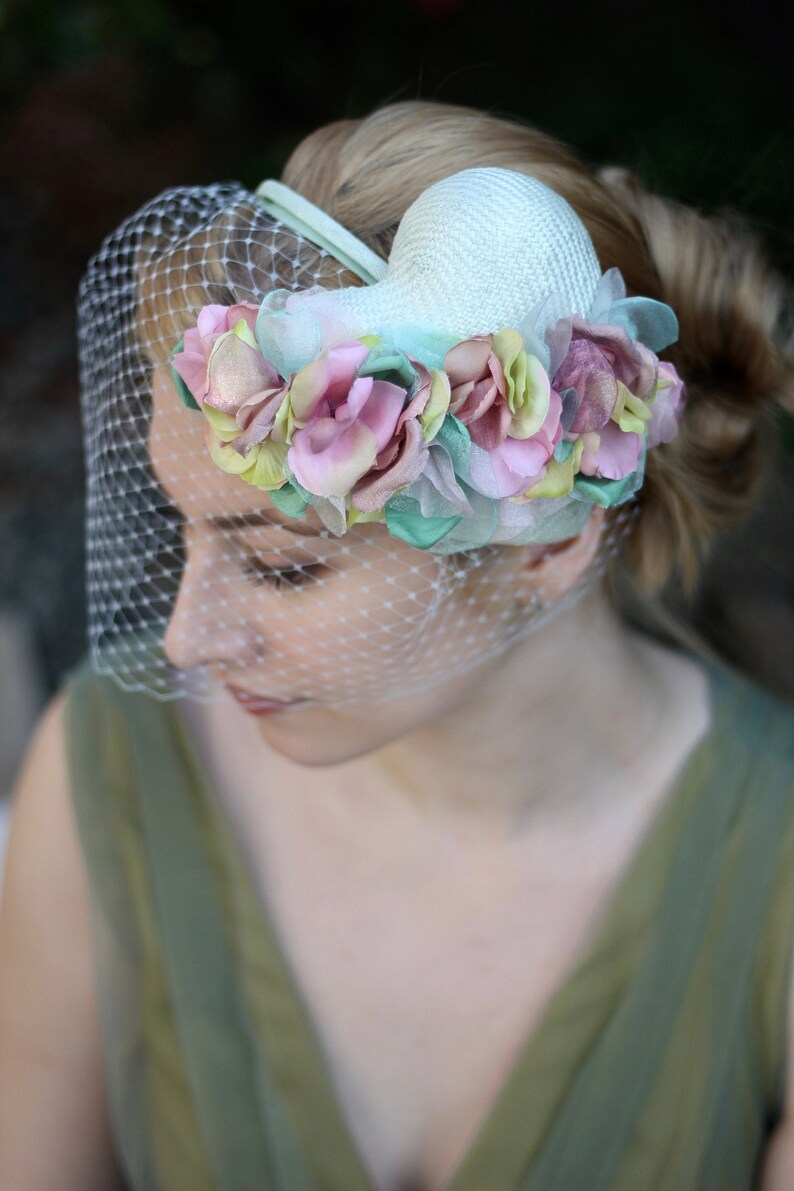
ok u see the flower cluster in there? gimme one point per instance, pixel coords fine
(365, 421)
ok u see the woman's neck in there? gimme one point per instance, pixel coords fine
(583, 719)
(579, 715)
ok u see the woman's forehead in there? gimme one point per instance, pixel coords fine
(189, 477)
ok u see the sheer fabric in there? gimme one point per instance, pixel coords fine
(658, 1064)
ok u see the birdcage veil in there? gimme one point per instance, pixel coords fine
(206, 570)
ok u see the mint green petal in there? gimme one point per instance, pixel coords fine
(425, 344)
(390, 364)
(416, 530)
(291, 499)
(563, 450)
(455, 437)
(653, 323)
(183, 392)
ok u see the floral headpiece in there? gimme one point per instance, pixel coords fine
(378, 403)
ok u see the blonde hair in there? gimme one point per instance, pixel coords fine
(734, 351)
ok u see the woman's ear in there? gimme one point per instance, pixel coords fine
(551, 571)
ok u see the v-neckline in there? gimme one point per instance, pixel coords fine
(292, 1044)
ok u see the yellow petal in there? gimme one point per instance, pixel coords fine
(435, 411)
(354, 517)
(630, 412)
(244, 332)
(558, 480)
(226, 457)
(267, 470)
(224, 425)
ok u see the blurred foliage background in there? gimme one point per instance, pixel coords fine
(104, 103)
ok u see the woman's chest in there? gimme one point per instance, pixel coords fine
(423, 986)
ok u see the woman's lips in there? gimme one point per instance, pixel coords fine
(257, 704)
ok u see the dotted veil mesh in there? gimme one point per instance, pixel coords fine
(195, 581)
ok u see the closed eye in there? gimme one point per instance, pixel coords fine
(281, 578)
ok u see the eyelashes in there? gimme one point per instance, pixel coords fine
(281, 578)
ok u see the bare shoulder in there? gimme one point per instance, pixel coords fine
(49, 1032)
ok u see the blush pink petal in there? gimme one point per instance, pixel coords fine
(517, 463)
(667, 407)
(191, 364)
(382, 410)
(618, 454)
(490, 429)
(329, 457)
(322, 385)
(213, 320)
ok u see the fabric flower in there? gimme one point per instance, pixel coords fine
(405, 455)
(610, 453)
(599, 357)
(667, 405)
(192, 362)
(339, 422)
(518, 463)
(239, 392)
(497, 388)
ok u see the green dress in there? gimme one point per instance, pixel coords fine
(659, 1064)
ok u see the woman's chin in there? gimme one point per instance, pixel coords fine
(317, 736)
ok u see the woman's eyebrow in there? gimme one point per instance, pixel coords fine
(253, 520)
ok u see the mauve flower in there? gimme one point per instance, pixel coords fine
(667, 405)
(598, 357)
(192, 362)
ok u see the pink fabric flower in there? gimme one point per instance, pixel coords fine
(341, 421)
(213, 321)
(667, 407)
(598, 357)
(518, 463)
(610, 453)
(404, 456)
(477, 390)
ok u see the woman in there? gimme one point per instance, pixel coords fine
(469, 884)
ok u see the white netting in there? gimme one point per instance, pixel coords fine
(195, 580)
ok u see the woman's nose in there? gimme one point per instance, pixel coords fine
(208, 624)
